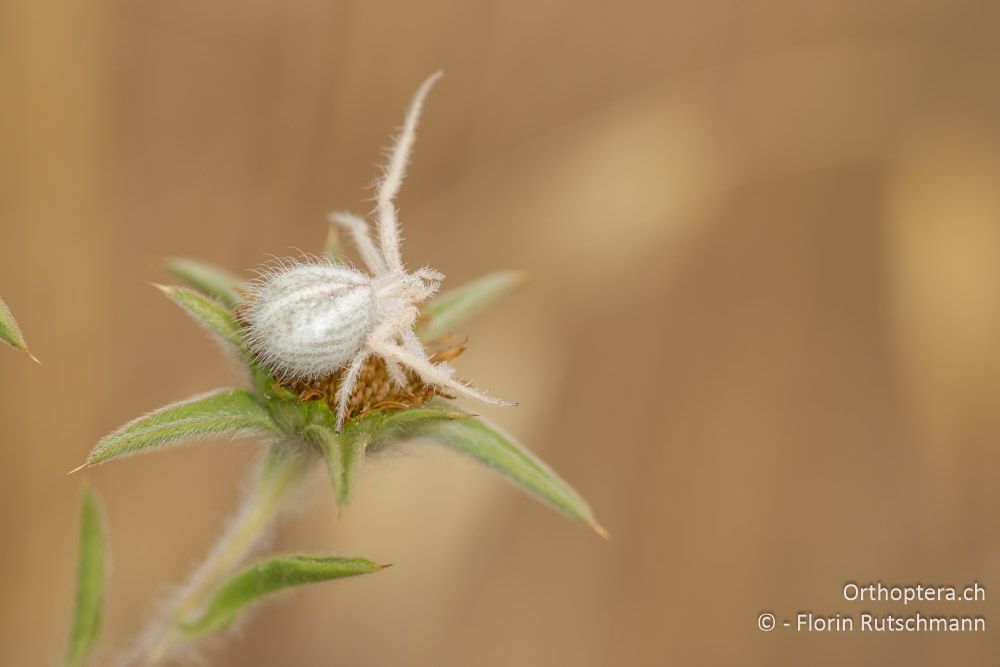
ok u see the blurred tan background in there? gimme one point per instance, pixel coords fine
(760, 334)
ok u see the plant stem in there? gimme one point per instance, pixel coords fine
(278, 481)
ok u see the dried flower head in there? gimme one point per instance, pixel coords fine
(375, 389)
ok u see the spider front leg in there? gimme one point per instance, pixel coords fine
(396, 373)
(392, 178)
(359, 232)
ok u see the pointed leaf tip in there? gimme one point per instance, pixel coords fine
(216, 318)
(78, 468)
(487, 444)
(207, 279)
(344, 454)
(599, 529)
(91, 572)
(10, 332)
(269, 576)
(233, 412)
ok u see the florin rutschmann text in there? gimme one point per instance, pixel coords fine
(877, 593)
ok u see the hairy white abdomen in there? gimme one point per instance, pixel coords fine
(311, 319)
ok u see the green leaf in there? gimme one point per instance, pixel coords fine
(225, 411)
(454, 307)
(213, 281)
(289, 412)
(334, 248)
(10, 333)
(214, 317)
(485, 443)
(268, 576)
(383, 429)
(89, 581)
(344, 458)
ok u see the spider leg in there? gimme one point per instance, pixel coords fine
(392, 178)
(412, 344)
(430, 372)
(347, 383)
(396, 373)
(358, 229)
(399, 325)
(395, 370)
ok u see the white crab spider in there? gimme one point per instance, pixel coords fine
(307, 320)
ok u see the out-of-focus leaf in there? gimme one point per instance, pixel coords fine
(334, 248)
(213, 281)
(90, 576)
(282, 469)
(454, 307)
(225, 411)
(490, 446)
(209, 314)
(10, 333)
(344, 458)
(268, 576)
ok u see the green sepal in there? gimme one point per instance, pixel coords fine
(384, 428)
(291, 413)
(265, 384)
(268, 576)
(344, 455)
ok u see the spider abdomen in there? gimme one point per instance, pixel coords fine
(310, 319)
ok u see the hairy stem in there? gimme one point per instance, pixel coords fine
(280, 478)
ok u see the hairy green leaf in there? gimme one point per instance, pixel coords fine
(344, 458)
(225, 411)
(269, 576)
(89, 581)
(10, 333)
(485, 443)
(291, 413)
(211, 280)
(383, 429)
(454, 307)
(214, 317)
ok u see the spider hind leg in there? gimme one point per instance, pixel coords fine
(431, 373)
